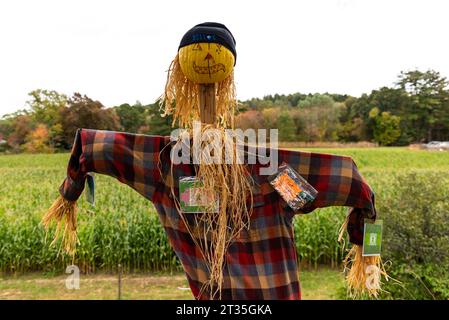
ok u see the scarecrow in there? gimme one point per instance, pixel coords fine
(229, 225)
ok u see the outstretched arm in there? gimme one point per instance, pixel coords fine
(131, 158)
(339, 183)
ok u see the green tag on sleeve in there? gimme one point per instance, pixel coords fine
(372, 238)
(90, 192)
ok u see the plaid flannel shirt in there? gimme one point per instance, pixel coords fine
(262, 262)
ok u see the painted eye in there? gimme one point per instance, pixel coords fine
(197, 47)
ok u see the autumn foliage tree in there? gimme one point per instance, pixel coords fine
(83, 112)
(22, 125)
(251, 119)
(37, 140)
(46, 108)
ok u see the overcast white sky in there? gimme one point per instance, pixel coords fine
(119, 51)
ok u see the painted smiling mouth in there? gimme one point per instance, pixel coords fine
(210, 69)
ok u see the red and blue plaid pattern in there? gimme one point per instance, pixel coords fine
(261, 263)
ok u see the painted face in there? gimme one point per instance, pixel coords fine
(206, 62)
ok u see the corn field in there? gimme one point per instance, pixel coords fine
(123, 228)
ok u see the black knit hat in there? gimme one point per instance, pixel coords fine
(210, 32)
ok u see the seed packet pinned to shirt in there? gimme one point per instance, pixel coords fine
(194, 199)
(294, 189)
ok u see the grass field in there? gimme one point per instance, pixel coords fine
(122, 225)
(321, 284)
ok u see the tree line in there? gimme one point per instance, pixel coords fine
(51, 119)
(414, 110)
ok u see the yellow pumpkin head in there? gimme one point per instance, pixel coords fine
(206, 62)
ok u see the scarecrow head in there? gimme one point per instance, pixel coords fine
(206, 58)
(207, 53)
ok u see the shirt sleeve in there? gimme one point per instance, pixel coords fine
(339, 183)
(130, 158)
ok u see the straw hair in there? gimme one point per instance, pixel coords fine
(358, 277)
(63, 212)
(212, 231)
(181, 98)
